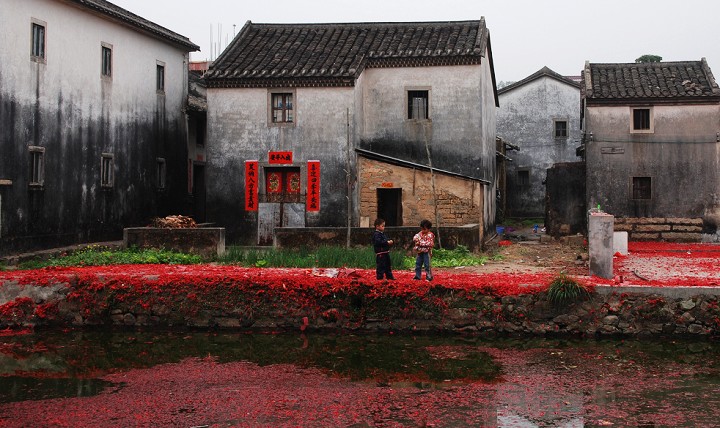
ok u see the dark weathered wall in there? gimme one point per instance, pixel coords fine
(65, 106)
(565, 211)
(681, 156)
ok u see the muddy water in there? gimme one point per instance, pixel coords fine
(233, 379)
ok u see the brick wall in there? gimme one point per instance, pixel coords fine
(459, 200)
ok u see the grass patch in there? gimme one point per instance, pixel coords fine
(564, 290)
(327, 257)
(99, 256)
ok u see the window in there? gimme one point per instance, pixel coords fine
(160, 77)
(561, 129)
(37, 49)
(161, 173)
(37, 166)
(523, 178)
(106, 170)
(418, 104)
(642, 120)
(282, 108)
(106, 69)
(641, 188)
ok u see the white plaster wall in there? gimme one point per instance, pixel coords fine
(73, 60)
(238, 130)
(671, 123)
(455, 111)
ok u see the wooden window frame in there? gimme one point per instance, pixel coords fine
(414, 93)
(107, 170)
(566, 130)
(106, 60)
(284, 110)
(644, 128)
(161, 175)
(641, 188)
(37, 166)
(38, 47)
(160, 77)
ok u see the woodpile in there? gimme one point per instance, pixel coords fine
(174, 222)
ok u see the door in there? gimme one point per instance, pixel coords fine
(389, 203)
(283, 205)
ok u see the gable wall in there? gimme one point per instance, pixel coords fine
(525, 118)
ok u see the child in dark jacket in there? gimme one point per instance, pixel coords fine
(381, 245)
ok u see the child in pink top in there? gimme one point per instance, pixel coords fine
(424, 242)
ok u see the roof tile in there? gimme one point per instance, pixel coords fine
(337, 53)
(681, 79)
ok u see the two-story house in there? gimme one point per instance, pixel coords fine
(92, 125)
(652, 146)
(337, 124)
(541, 116)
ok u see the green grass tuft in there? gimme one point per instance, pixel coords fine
(100, 256)
(564, 290)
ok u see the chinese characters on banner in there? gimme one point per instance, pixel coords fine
(280, 157)
(251, 185)
(313, 186)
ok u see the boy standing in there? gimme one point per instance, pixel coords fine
(381, 245)
(424, 243)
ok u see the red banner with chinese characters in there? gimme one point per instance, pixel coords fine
(251, 185)
(313, 186)
(280, 157)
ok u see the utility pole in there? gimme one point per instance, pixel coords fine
(432, 182)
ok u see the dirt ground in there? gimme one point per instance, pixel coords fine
(527, 254)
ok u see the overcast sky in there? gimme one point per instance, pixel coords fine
(525, 34)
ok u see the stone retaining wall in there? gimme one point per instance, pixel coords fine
(661, 228)
(208, 242)
(624, 311)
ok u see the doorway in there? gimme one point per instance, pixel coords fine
(198, 192)
(390, 206)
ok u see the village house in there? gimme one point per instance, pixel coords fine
(652, 147)
(332, 125)
(541, 116)
(93, 129)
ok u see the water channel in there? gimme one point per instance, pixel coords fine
(208, 378)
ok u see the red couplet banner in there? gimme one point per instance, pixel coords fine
(313, 186)
(251, 185)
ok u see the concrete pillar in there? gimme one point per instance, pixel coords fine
(600, 242)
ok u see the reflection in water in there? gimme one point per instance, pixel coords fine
(501, 382)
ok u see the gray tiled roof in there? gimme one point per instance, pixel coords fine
(543, 72)
(658, 80)
(116, 12)
(336, 54)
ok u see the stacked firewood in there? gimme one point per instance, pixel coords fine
(174, 222)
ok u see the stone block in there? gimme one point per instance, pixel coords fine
(653, 228)
(682, 237)
(620, 243)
